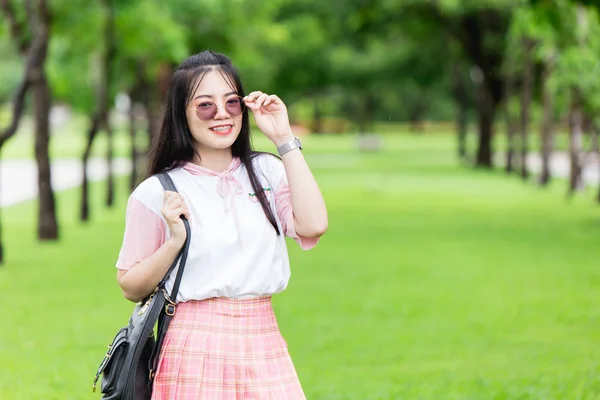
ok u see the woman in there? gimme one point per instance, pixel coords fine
(223, 342)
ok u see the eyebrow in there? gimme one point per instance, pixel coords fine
(212, 97)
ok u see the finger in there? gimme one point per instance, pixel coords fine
(168, 195)
(252, 105)
(261, 99)
(179, 211)
(175, 204)
(172, 196)
(173, 214)
(254, 95)
(178, 198)
(271, 99)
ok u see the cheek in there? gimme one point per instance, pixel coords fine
(237, 123)
(191, 119)
(196, 126)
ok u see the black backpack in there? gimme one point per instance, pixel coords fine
(129, 366)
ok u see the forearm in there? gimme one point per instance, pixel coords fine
(141, 280)
(310, 212)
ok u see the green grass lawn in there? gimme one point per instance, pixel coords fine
(433, 282)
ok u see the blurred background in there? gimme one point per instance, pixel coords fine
(455, 142)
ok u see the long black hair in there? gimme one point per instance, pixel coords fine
(173, 146)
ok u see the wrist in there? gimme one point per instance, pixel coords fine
(288, 146)
(284, 139)
(174, 243)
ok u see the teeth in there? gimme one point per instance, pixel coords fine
(221, 128)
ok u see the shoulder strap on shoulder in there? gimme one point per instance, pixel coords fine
(166, 181)
(168, 184)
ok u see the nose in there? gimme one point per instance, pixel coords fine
(222, 112)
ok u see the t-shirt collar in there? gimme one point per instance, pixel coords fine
(196, 169)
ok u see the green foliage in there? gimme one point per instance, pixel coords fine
(144, 31)
(11, 65)
(577, 66)
(402, 53)
(75, 51)
(11, 70)
(148, 32)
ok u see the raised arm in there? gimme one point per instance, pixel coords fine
(310, 213)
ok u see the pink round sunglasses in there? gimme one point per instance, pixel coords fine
(207, 109)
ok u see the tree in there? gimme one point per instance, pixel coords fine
(88, 72)
(101, 117)
(18, 102)
(103, 99)
(532, 40)
(574, 83)
(522, 41)
(547, 128)
(34, 46)
(548, 24)
(479, 28)
(151, 43)
(509, 120)
(460, 92)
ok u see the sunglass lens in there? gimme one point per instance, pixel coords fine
(235, 106)
(206, 110)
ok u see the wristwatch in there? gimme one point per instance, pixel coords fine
(291, 145)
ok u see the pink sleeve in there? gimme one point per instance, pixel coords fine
(145, 232)
(283, 203)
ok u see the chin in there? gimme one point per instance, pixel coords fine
(209, 139)
(223, 142)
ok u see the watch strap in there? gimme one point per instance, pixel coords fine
(289, 146)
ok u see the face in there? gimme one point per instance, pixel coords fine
(214, 113)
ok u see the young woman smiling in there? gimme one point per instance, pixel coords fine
(224, 341)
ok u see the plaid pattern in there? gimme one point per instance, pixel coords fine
(223, 348)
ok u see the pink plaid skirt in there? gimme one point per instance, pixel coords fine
(223, 348)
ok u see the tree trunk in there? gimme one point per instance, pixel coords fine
(370, 109)
(486, 108)
(34, 48)
(596, 149)
(40, 19)
(575, 143)
(156, 93)
(416, 113)
(547, 132)
(110, 194)
(459, 90)
(1, 244)
(511, 128)
(100, 117)
(462, 126)
(85, 198)
(151, 119)
(9, 132)
(317, 122)
(528, 45)
(109, 40)
(47, 227)
(17, 111)
(366, 115)
(134, 151)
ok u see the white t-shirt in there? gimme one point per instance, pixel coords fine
(234, 250)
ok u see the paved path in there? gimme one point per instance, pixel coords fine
(18, 178)
(560, 166)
